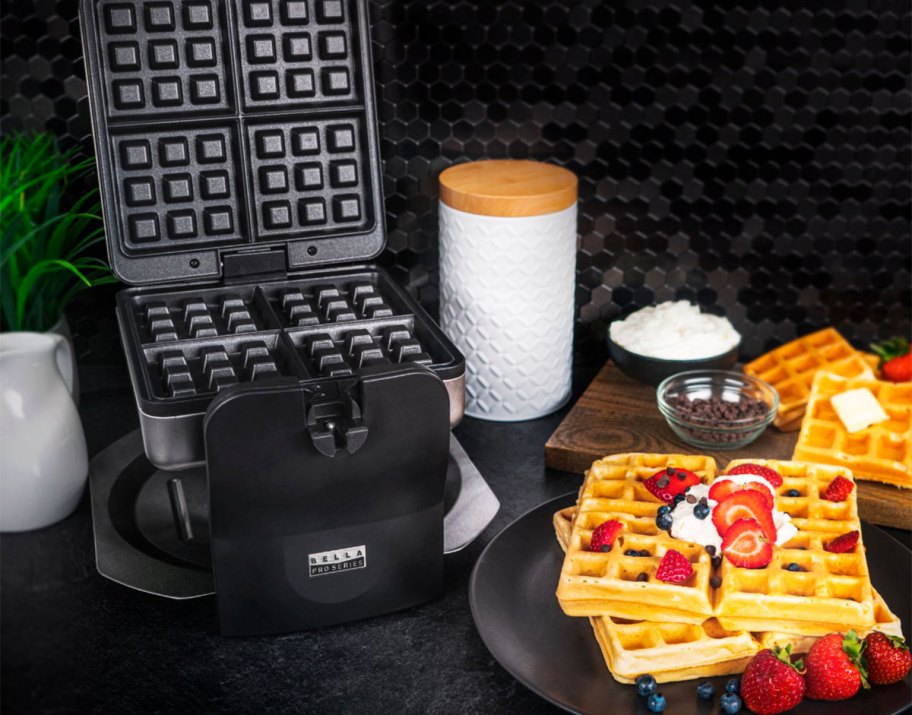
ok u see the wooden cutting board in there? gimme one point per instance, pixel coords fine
(616, 414)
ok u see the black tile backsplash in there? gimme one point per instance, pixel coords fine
(754, 159)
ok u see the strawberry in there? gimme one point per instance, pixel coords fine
(771, 683)
(744, 504)
(745, 546)
(721, 488)
(770, 475)
(835, 670)
(670, 482)
(895, 359)
(887, 657)
(674, 567)
(604, 535)
(839, 489)
(843, 543)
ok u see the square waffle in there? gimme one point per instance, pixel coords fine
(833, 593)
(881, 452)
(790, 368)
(594, 583)
(673, 651)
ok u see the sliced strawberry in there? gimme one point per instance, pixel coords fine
(604, 535)
(770, 475)
(844, 543)
(745, 546)
(721, 488)
(674, 567)
(670, 482)
(744, 504)
(839, 489)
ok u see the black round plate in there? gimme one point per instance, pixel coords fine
(517, 615)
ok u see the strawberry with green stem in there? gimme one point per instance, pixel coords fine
(895, 359)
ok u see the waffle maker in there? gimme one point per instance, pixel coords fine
(239, 167)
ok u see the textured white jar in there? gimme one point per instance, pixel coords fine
(507, 287)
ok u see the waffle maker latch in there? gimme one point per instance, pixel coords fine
(334, 420)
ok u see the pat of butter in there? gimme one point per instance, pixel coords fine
(858, 409)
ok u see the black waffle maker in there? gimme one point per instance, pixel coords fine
(239, 167)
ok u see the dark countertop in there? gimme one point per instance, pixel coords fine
(72, 641)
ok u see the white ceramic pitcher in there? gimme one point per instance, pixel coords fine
(43, 457)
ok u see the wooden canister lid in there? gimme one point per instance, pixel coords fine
(507, 187)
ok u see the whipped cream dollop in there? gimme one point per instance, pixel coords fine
(675, 330)
(686, 526)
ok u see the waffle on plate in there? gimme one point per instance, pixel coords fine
(680, 651)
(832, 592)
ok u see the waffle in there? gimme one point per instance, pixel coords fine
(881, 453)
(633, 648)
(832, 593)
(791, 369)
(594, 583)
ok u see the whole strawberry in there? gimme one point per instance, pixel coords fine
(835, 670)
(895, 359)
(887, 657)
(771, 682)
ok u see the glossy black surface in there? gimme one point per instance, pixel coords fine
(513, 603)
(753, 156)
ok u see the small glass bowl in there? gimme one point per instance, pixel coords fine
(703, 384)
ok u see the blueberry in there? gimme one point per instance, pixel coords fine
(646, 685)
(701, 511)
(664, 521)
(792, 493)
(678, 498)
(729, 703)
(733, 685)
(664, 509)
(656, 703)
(705, 690)
(794, 567)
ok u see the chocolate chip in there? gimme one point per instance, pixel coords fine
(703, 500)
(662, 483)
(682, 476)
(643, 576)
(715, 581)
(716, 561)
(669, 471)
(710, 549)
(691, 499)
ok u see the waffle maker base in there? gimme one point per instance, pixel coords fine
(138, 541)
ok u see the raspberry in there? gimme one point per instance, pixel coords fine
(839, 489)
(674, 567)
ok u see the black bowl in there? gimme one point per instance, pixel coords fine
(652, 371)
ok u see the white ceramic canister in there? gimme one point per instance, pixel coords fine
(508, 241)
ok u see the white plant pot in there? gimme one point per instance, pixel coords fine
(43, 457)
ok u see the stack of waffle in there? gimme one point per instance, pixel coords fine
(696, 629)
(807, 373)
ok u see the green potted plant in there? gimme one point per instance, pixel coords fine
(46, 236)
(47, 232)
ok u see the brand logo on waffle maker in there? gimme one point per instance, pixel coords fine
(327, 562)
